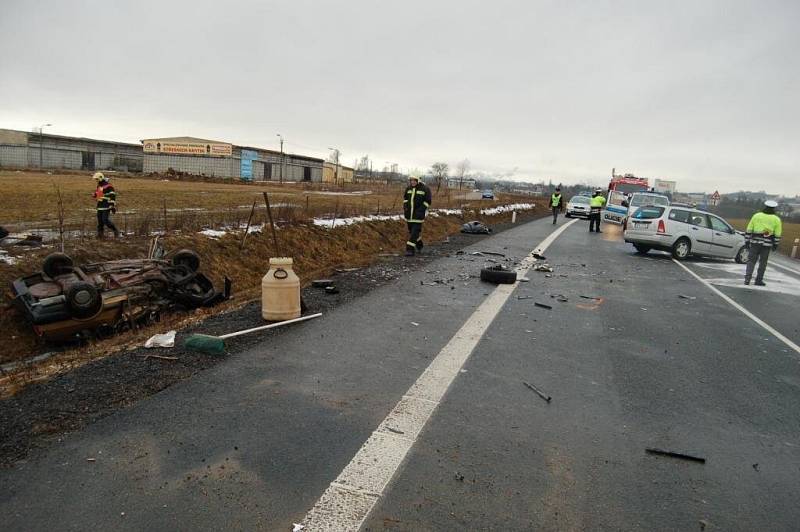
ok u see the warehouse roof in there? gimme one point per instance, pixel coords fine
(186, 140)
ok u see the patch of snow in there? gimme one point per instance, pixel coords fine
(213, 233)
(6, 258)
(508, 208)
(330, 223)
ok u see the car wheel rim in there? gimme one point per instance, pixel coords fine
(682, 249)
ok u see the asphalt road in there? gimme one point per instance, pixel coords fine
(255, 442)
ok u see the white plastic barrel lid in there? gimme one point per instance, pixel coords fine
(280, 261)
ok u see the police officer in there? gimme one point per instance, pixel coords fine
(595, 206)
(762, 235)
(106, 199)
(556, 203)
(416, 202)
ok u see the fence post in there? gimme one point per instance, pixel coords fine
(794, 247)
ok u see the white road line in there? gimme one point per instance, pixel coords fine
(788, 269)
(348, 500)
(743, 310)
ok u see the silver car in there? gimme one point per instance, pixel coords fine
(578, 206)
(683, 231)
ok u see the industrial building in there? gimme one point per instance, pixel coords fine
(221, 159)
(337, 174)
(21, 149)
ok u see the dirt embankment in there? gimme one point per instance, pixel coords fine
(81, 385)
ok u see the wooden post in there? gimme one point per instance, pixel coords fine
(247, 229)
(794, 247)
(335, 213)
(272, 225)
(165, 215)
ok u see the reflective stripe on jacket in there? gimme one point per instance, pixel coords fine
(416, 201)
(764, 229)
(555, 200)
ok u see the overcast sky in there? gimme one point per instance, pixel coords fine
(703, 92)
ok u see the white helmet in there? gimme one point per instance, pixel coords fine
(99, 176)
(771, 203)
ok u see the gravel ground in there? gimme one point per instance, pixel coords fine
(43, 411)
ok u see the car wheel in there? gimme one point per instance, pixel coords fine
(568, 215)
(682, 248)
(83, 300)
(56, 263)
(188, 258)
(498, 275)
(743, 256)
(641, 249)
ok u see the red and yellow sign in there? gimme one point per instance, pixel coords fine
(187, 148)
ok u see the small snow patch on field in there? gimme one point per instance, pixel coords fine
(213, 233)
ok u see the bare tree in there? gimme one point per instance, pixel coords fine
(462, 169)
(439, 173)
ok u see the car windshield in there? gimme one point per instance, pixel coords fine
(579, 199)
(648, 213)
(647, 199)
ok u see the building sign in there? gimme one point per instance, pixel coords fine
(187, 148)
(246, 170)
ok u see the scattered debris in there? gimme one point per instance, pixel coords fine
(487, 253)
(476, 228)
(673, 454)
(543, 268)
(498, 274)
(755, 466)
(215, 345)
(538, 391)
(591, 297)
(297, 528)
(331, 289)
(160, 357)
(561, 298)
(396, 431)
(538, 255)
(524, 297)
(166, 339)
(91, 460)
(347, 270)
(524, 280)
(459, 477)
(704, 523)
(683, 296)
(415, 324)
(321, 283)
(542, 305)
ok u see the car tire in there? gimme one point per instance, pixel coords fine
(83, 300)
(743, 255)
(682, 248)
(642, 249)
(498, 275)
(56, 264)
(568, 215)
(188, 258)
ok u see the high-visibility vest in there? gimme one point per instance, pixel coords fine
(597, 201)
(555, 200)
(764, 229)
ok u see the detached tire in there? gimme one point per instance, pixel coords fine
(83, 300)
(498, 276)
(743, 255)
(188, 258)
(56, 264)
(682, 248)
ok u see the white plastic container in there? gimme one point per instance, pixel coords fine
(280, 291)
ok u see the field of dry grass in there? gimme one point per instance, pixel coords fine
(791, 231)
(151, 204)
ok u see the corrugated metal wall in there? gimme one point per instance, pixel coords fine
(69, 159)
(293, 170)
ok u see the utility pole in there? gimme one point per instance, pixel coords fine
(336, 162)
(41, 142)
(281, 171)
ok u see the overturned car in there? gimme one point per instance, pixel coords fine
(65, 301)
